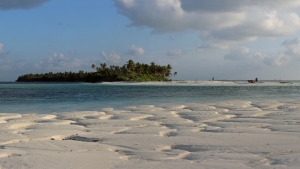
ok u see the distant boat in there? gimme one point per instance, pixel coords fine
(253, 81)
(286, 82)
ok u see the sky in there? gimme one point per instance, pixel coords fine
(201, 39)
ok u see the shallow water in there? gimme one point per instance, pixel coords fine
(192, 124)
(66, 97)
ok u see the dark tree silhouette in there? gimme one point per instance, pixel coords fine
(130, 71)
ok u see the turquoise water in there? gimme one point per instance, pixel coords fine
(65, 97)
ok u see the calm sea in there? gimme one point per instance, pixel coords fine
(66, 97)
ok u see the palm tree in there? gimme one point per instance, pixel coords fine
(153, 68)
(129, 71)
(139, 69)
(145, 68)
(169, 68)
(130, 65)
(124, 70)
(93, 66)
(103, 66)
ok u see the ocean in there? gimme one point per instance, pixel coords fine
(44, 98)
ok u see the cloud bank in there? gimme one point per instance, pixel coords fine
(59, 62)
(220, 23)
(290, 54)
(135, 51)
(237, 54)
(112, 58)
(2, 51)
(20, 4)
(177, 52)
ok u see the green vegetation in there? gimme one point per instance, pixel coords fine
(131, 71)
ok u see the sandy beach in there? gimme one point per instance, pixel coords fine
(232, 134)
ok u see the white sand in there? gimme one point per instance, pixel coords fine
(235, 134)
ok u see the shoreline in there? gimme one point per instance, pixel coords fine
(227, 134)
(166, 81)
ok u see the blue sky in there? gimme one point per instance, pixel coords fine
(200, 38)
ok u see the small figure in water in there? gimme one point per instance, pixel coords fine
(213, 79)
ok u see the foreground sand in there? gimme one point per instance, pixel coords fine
(235, 134)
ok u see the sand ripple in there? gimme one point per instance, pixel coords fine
(233, 134)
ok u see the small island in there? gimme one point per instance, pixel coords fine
(131, 71)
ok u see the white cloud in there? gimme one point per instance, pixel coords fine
(221, 23)
(168, 16)
(291, 54)
(178, 52)
(72, 52)
(59, 62)
(20, 4)
(112, 58)
(55, 63)
(259, 24)
(292, 47)
(237, 54)
(277, 60)
(2, 50)
(135, 51)
(5, 64)
(292, 42)
(257, 59)
(12, 66)
(233, 5)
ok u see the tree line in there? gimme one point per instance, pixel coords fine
(130, 71)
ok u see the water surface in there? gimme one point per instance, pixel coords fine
(65, 97)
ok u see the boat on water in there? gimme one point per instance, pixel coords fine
(253, 81)
(286, 82)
